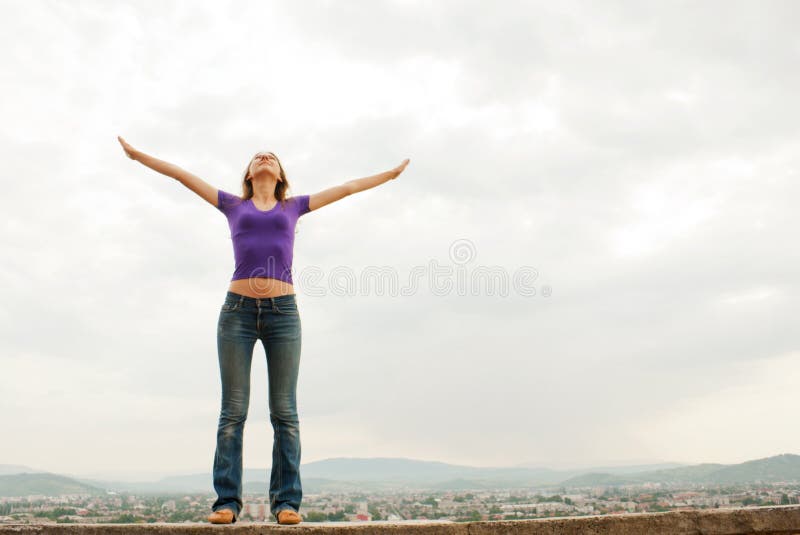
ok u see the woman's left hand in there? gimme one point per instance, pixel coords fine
(400, 168)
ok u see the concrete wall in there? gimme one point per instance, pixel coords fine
(784, 520)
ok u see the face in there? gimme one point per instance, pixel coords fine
(265, 160)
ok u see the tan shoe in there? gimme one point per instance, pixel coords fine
(287, 516)
(221, 516)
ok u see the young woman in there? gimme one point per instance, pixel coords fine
(260, 305)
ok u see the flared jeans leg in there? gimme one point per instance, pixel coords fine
(282, 343)
(235, 342)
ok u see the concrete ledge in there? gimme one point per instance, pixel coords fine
(778, 520)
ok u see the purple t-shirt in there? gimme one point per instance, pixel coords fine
(263, 241)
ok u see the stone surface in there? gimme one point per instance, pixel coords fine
(783, 520)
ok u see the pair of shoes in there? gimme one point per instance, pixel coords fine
(287, 516)
(221, 516)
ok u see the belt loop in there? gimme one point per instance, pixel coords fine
(272, 300)
(241, 299)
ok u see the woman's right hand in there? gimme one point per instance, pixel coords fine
(130, 151)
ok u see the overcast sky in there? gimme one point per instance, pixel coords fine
(634, 164)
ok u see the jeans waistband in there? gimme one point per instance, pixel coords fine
(255, 301)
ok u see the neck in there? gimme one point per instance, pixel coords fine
(264, 190)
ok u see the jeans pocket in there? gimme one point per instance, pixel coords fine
(230, 306)
(289, 308)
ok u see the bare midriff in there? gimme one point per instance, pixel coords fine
(261, 287)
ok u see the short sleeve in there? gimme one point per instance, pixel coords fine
(302, 204)
(226, 201)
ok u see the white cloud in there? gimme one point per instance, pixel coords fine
(754, 413)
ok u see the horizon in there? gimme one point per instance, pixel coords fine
(128, 476)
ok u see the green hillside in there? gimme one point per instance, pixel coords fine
(43, 483)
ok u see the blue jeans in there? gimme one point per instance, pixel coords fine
(276, 322)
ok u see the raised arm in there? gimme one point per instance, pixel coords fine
(327, 196)
(194, 183)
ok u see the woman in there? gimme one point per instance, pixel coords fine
(260, 305)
